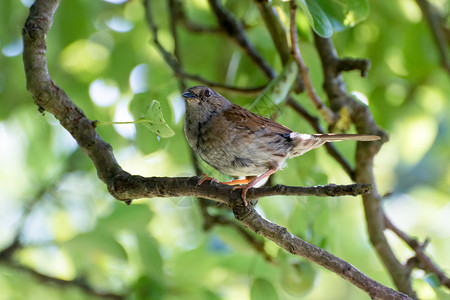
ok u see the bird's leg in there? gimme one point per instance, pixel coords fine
(231, 182)
(253, 181)
(239, 181)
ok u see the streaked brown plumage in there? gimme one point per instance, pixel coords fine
(237, 142)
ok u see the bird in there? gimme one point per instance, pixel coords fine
(240, 143)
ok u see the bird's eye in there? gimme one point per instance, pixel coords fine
(208, 93)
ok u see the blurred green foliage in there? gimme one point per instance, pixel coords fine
(101, 54)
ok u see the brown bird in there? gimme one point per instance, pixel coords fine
(237, 142)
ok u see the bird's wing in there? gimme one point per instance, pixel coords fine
(245, 119)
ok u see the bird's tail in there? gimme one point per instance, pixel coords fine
(306, 142)
(337, 137)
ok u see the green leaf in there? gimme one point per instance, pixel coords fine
(263, 289)
(145, 141)
(317, 18)
(328, 16)
(276, 91)
(153, 120)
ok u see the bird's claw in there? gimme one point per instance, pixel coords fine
(205, 178)
(245, 189)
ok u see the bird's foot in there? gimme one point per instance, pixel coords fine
(245, 189)
(205, 178)
(244, 184)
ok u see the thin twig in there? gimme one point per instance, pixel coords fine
(276, 29)
(419, 249)
(236, 31)
(210, 221)
(174, 64)
(324, 111)
(221, 86)
(432, 18)
(278, 34)
(191, 26)
(349, 63)
(174, 7)
(78, 283)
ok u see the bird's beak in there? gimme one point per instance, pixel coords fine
(189, 94)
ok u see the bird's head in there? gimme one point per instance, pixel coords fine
(202, 100)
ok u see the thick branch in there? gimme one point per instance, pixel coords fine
(52, 98)
(128, 187)
(250, 218)
(335, 88)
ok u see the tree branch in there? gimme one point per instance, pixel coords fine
(278, 34)
(52, 98)
(174, 64)
(349, 64)
(210, 221)
(78, 283)
(276, 29)
(128, 187)
(250, 218)
(432, 18)
(335, 88)
(426, 263)
(7, 254)
(236, 31)
(326, 113)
